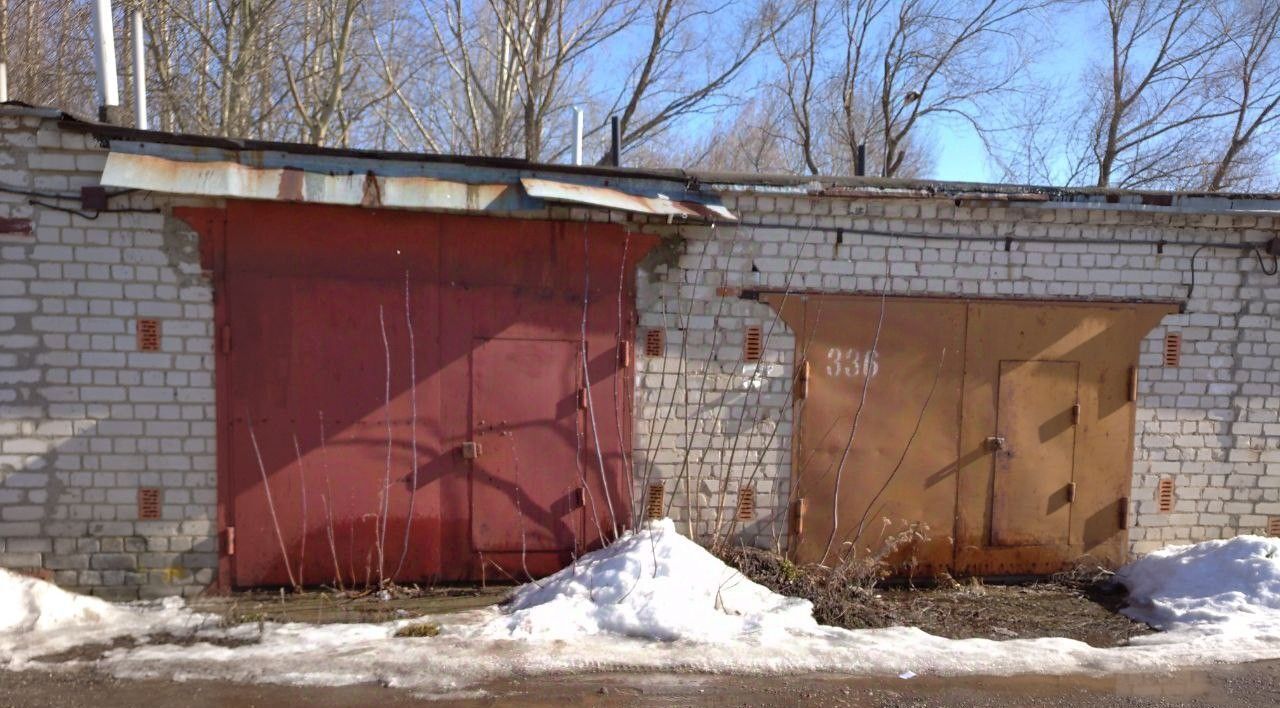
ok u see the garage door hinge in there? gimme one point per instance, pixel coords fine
(624, 354)
(231, 540)
(802, 382)
(797, 516)
(1133, 383)
(582, 398)
(1071, 492)
(224, 339)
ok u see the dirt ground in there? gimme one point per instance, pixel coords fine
(1082, 604)
(318, 607)
(1247, 686)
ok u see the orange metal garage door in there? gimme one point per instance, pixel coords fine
(984, 437)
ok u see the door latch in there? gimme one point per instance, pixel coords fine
(471, 450)
(995, 442)
(579, 498)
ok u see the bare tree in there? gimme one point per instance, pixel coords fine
(513, 63)
(46, 45)
(1250, 91)
(319, 73)
(1149, 97)
(873, 72)
(663, 87)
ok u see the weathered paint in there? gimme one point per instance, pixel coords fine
(208, 172)
(610, 198)
(946, 376)
(321, 302)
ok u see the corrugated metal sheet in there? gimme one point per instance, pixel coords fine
(353, 182)
(224, 178)
(660, 204)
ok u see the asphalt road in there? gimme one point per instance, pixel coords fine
(1246, 685)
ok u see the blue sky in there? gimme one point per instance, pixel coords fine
(960, 154)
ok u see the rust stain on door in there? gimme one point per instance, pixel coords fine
(1003, 430)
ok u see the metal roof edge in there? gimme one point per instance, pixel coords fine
(695, 183)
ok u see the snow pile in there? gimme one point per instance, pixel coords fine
(652, 584)
(1229, 587)
(39, 618)
(655, 601)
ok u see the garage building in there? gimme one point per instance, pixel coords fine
(236, 364)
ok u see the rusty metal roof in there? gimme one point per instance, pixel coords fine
(660, 204)
(322, 178)
(682, 185)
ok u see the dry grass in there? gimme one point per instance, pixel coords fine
(1080, 603)
(419, 629)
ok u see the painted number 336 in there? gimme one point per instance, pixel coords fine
(851, 362)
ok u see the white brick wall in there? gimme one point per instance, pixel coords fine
(85, 418)
(1213, 424)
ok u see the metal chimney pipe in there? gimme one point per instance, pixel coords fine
(577, 136)
(4, 51)
(105, 58)
(139, 72)
(615, 145)
(860, 161)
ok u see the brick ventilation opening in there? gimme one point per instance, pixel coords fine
(653, 502)
(148, 503)
(655, 342)
(1273, 525)
(746, 503)
(1164, 495)
(752, 346)
(149, 335)
(1172, 349)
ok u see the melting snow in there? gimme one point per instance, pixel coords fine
(657, 601)
(654, 584)
(1229, 587)
(39, 618)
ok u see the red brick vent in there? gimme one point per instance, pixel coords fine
(1172, 349)
(149, 335)
(752, 344)
(653, 501)
(1164, 495)
(746, 503)
(655, 342)
(148, 503)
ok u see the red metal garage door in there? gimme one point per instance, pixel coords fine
(359, 352)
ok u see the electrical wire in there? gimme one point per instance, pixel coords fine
(91, 215)
(56, 195)
(1239, 246)
(1275, 262)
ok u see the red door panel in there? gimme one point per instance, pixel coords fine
(526, 478)
(323, 356)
